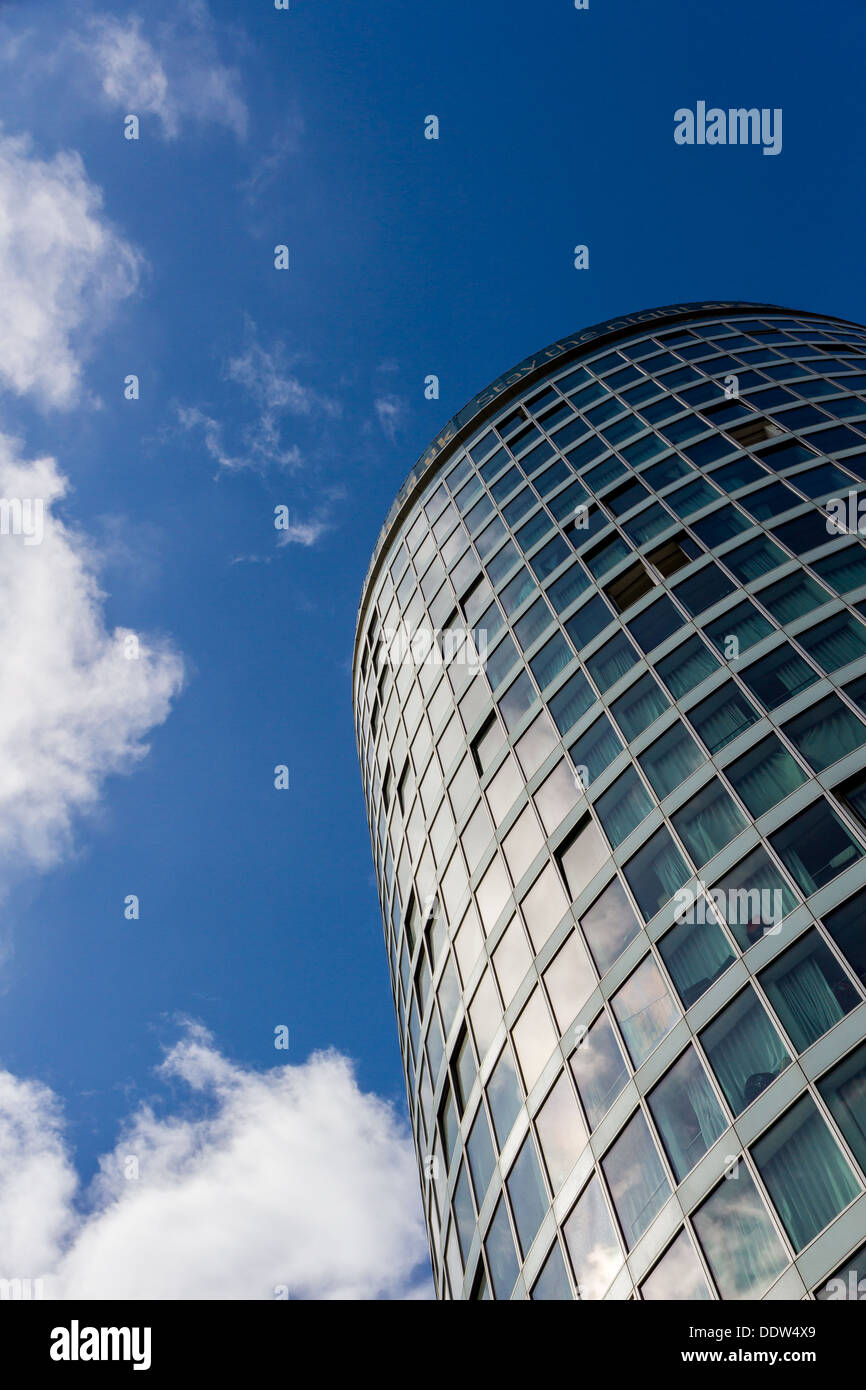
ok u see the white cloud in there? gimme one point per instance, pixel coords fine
(293, 1177)
(390, 412)
(274, 391)
(177, 77)
(63, 269)
(73, 708)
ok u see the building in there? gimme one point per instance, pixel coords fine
(620, 827)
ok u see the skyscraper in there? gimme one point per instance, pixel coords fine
(610, 703)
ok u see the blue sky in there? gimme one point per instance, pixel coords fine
(305, 388)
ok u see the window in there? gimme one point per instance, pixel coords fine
(798, 1156)
(627, 588)
(844, 1092)
(675, 554)
(696, 953)
(845, 925)
(569, 981)
(544, 906)
(791, 597)
(501, 1255)
(588, 622)
(561, 1132)
(482, 1160)
(721, 525)
(753, 431)
(754, 558)
(487, 743)
(835, 642)
(599, 1070)
(739, 1240)
(511, 960)
(779, 676)
(708, 822)
(686, 667)
(845, 570)
(527, 1193)
(614, 659)
(593, 1247)
(722, 716)
(642, 703)
(655, 873)
(770, 501)
(765, 775)
(636, 1178)
(595, 750)
(670, 760)
(655, 623)
(744, 1050)
(752, 897)
(644, 1010)
(504, 1095)
(815, 847)
(678, 1275)
(826, 732)
(809, 990)
(581, 856)
(556, 796)
(571, 701)
(703, 589)
(686, 1113)
(737, 630)
(609, 925)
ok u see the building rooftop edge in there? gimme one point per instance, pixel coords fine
(514, 382)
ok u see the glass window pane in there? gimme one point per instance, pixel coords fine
(544, 906)
(708, 822)
(501, 1255)
(595, 1254)
(511, 960)
(669, 760)
(623, 806)
(504, 1095)
(753, 898)
(696, 953)
(595, 750)
(809, 990)
(552, 1283)
(644, 1010)
(581, 857)
(826, 732)
(845, 925)
(805, 1172)
(569, 981)
(815, 847)
(561, 1132)
(687, 666)
(640, 705)
(687, 1114)
(528, 1195)
(609, 925)
(534, 1038)
(637, 1180)
(482, 1159)
(739, 1240)
(779, 676)
(844, 1091)
(599, 1070)
(722, 716)
(678, 1275)
(656, 872)
(557, 795)
(765, 776)
(744, 1049)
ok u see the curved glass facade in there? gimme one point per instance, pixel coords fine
(610, 703)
